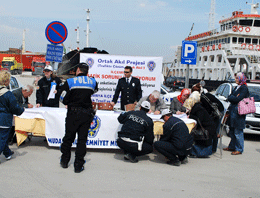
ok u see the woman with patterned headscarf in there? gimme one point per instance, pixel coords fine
(237, 122)
(199, 113)
(177, 102)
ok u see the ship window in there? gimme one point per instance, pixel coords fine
(234, 39)
(219, 40)
(219, 58)
(229, 25)
(228, 40)
(240, 40)
(216, 42)
(257, 23)
(223, 40)
(226, 26)
(222, 27)
(255, 41)
(246, 22)
(212, 58)
(248, 40)
(234, 23)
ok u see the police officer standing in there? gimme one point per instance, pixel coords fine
(136, 135)
(76, 94)
(130, 88)
(44, 87)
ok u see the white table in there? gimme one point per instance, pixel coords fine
(102, 134)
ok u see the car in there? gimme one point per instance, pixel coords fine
(169, 81)
(252, 120)
(178, 83)
(167, 94)
(14, 84)
(175, 82)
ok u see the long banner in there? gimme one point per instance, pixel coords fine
(107, 69)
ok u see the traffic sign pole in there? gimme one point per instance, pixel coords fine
(187, 76)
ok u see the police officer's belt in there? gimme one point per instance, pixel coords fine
(139, 143)
(79, 109)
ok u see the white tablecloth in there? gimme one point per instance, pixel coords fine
(103, 130)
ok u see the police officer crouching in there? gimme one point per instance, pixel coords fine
(76, 94)
(136, 135)
(176, 142)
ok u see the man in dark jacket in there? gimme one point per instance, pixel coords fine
(44, 88)
(176, 141)
(76, 94)
(136, 135)
(130, 88)
(21, 95)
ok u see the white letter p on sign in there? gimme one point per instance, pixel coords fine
(188, 49)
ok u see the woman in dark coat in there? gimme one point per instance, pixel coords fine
(201, 148)
(207, 100)
(237, 122)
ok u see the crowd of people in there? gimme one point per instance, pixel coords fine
(177, 142)
(136, 136)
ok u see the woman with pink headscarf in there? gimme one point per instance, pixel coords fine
(237, 122)
(177, 102)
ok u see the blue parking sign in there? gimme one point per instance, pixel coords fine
(189, 52)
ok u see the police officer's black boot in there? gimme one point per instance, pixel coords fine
(63, 164)
(79, 166)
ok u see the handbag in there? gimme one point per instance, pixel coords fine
(215, 113)
(200, 134)
(246, 106)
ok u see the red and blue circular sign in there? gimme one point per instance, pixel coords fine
(56, 32)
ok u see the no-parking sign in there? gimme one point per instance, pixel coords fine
(56, 32)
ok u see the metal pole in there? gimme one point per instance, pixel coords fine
(87, 31)
(23, 49)
(78, 37)
(187, 76)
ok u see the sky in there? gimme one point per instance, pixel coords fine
(121, 27)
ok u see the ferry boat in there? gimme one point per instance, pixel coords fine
(222, 52)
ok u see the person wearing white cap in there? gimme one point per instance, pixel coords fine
(176, 141)
(44, 87)
(136, 135)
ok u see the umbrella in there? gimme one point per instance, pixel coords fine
(70, 60)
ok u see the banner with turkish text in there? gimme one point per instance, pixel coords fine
(107, 69)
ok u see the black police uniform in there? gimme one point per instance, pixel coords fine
(76, 93)
(136, 126)
(175, 141)
(43, 90)
(130, 92)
